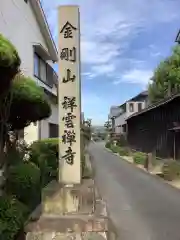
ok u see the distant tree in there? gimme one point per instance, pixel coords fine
(107, 125)
(166, 78)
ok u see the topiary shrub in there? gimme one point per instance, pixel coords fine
(23, 181)
(12, 217)
(9, 63)
(29, 103)
(171, 170)
(44, 154)
(139, 158)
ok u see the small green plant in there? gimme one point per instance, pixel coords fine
(139, 158)
(44, 154)
(108, 145)
(114, 148)
(123, 151)
(122, 141)
(171, 170)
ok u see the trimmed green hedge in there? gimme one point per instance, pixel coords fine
(44, 153)
(114, 149)
(12, 217)
(123, 151)
(23, 181)
(108, 145)
(139, 158)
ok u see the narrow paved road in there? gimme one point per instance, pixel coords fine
(141, 206)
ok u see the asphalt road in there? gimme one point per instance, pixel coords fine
(142, 207)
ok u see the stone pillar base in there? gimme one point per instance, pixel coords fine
(70, 212)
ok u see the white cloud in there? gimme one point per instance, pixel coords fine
(135, 76)
(108, 27)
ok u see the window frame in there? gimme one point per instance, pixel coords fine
(53, 134)
(131, 107)
(39, 77)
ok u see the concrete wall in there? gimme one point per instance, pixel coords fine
(18, 23)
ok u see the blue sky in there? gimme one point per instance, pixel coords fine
(122, 41)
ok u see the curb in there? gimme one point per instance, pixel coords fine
(144, 170)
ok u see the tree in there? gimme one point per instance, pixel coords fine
(166, 78)
(29, 103)
(9, 64)
(9, 67)
(21, 100)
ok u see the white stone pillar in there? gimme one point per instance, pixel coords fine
(69, 95)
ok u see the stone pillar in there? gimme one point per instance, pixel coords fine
(69, 95)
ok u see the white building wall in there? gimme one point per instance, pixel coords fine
(121, 119)
(18, 24)
(135, 107)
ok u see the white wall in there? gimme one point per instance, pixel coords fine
(44, 133)
(18, 24)
(120, 120)
(135, 107)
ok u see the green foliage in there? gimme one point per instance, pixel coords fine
(123, 151)
(108, 145)
(23, 181)
(166, 78)
(171, 170)
(122, 141)
(16, 153)
(44, 154)
(12, 216)
(29, 103)
(9, 63)
(139, 158)
(114, 149)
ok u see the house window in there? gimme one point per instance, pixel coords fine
(36, 65)
(53, 130)
(124, 128)
(139, 107)
(42, 70)
(131, 107)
